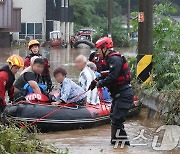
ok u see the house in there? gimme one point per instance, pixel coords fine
(10, 21)
(40, 17)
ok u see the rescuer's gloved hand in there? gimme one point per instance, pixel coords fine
(11, 100)
(92, 85)
(49, 89)
(1, 102)
(52, 98)
(99, 84)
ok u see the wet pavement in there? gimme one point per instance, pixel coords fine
(94, 140)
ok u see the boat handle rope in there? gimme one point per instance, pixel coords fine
(50, 113)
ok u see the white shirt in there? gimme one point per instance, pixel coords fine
(85, 78)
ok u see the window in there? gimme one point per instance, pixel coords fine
(32, 30)
(38, 31)
(22, 34)
(66, 3)
(62, 3)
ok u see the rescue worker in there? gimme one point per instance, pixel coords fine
(100, 63)
(68, 89)
(30, 75)
(118, 83)
(7, 76)
(85, 78)
(34, 46)
(27, 88)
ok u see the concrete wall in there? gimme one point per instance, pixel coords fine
(67, 29)
(32, 11)
(63, 29)
(67, 32)
(6, 14)
(35, 11)
(71, 28)
(56, 26)
(5, 40)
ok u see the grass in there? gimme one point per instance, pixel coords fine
(14, 140)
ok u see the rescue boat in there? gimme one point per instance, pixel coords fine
(55, 43)
(68, 117)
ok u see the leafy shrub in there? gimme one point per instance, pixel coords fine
(166, 61)
(166, 53)
(132, 65)
(15, 140)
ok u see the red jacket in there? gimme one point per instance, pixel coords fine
(26, 62)
(4, 79)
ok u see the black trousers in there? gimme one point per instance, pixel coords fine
(119, 109)
(2, 109)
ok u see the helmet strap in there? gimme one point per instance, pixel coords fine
(34, 53)
(104, 53)
(111, 49)
(10, 66)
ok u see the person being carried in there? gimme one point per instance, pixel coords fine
(85, 78)
(32, 76)
(34, 46)
(7, 76)
(68, 89)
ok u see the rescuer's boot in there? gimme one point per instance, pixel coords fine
(119, 135)
(123, 136)
(113, 134)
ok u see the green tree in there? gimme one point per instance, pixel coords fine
(83, 12)
(166, 41)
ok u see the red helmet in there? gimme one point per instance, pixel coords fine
(104, 42)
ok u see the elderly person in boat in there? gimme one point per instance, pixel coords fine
(104, 94)
(85, 78)
(68, 89)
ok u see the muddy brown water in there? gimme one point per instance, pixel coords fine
(94, 140)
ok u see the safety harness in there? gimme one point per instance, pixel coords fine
(125, 74)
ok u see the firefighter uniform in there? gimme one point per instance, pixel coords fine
(117, 79)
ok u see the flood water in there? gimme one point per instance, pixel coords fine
(59, 57)
(94, 140)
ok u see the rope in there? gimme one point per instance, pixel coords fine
(50, 113)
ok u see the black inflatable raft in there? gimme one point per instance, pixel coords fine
(66, 118)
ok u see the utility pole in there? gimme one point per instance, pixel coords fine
(141, 49)
(145, 45)
(110, 3)
(128, 17)
(148, 27)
